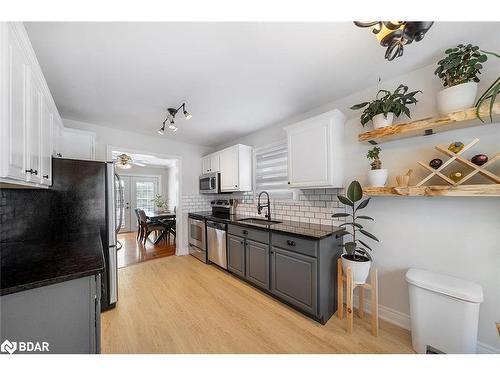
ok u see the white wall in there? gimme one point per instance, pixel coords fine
(172, 186)
(190, 154)
(455, 236)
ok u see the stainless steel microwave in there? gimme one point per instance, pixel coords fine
(210, 183)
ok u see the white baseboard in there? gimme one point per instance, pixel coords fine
(389, 315)
(403, 320)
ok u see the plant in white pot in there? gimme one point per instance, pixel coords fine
(459, 71)
(159, 202)
(356, 255)
(386, 106)
(377, 176)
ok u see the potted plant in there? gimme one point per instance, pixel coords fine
(459, 71)
(159, 202)
(490, 94)
(376, 176)
(356, 255)
(386, 105)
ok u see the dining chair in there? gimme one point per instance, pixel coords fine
(170, 227)
(139, 226)
(148, 226)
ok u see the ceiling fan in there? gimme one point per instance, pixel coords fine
(124, 161)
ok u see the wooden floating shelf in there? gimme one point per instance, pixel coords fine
(430, 125)
(486, 190)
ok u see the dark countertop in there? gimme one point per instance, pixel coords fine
(310, 231)
(30, 264)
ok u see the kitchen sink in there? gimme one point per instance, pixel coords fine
(251, 220)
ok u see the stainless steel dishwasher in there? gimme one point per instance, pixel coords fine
(216, 238)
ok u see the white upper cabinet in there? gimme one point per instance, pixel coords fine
(76, 144)
(47, 139)
(210, 163)
(13, 67)
(315, 151)
(27, 111)
(33, 128)
(236, 168)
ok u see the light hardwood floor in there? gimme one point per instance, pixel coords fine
(180, 305)
(134, 251)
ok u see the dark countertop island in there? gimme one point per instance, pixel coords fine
(33, 264)
(306, 230)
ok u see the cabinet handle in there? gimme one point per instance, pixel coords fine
(35, 172)
(46, 176)
(59, 155)
(29, 171)
(235, 185)
(288, 182)
(245, 232)
(291, 243)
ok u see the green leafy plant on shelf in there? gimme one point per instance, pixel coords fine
(356, 249)
(461, 64)
(374, 155)
(490, 94)
(386, 101)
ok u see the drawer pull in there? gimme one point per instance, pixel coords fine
(35, 172)
(245, 232)
(291, 243)
(46, 176)
(29, 171)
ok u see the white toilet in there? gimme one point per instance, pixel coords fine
(444, 312)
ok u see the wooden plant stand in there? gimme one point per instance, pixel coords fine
(350, 286)
(476, 169)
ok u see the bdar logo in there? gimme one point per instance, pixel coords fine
(9, 347)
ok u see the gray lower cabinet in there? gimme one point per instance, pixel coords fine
(294, 279)
(65, 315)
(236, 255)
(297, 270)
(257, 263)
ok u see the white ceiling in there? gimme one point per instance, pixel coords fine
(235, 77)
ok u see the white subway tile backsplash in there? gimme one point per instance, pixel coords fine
(311, 206)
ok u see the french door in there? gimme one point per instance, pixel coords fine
(138, 192)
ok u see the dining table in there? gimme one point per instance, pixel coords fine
(160, 216)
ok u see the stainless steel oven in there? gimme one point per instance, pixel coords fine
(210, 183)
(197, 238)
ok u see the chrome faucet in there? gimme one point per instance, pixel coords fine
(267, 205)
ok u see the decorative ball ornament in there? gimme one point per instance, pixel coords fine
(479, 159)
(435, 163)
(456, 147)
(456, 176)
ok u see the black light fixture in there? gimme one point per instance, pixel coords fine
(396, 34)
(171, 118)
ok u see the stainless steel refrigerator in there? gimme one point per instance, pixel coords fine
(85, 201)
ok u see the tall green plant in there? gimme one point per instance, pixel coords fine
(385, 101)
(490, 94)
(357, 248)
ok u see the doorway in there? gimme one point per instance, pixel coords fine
(138, 192)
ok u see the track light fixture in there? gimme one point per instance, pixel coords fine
(171, 118)
(396, 34)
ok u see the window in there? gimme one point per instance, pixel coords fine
(271, 170)
(145, 192)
